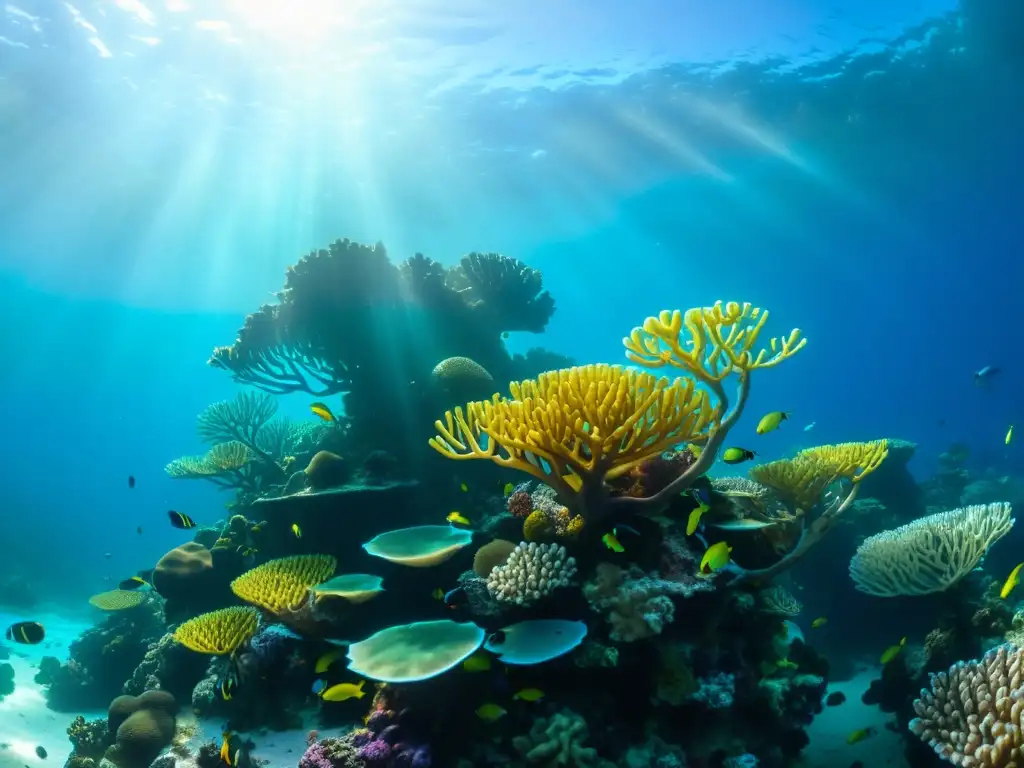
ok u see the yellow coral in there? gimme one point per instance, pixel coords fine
(854, 461)
(587, 423)
(800, 480)
(283, 584)
(219, 633)
(536, 526)
(719, 340)
(575, 526)
(116, 600)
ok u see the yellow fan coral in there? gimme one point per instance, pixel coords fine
(219, 633)
(586, 423)
(719, 340)
(854, 461)
(116, 600)
(799, 481)
(283, 584)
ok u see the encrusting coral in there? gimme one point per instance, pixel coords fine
(595, 423)
(530, 572)
(972, 714)
(930, 554)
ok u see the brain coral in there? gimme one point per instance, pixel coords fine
(144, 725)
(182, 570)
(490, 556)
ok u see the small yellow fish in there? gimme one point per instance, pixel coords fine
(344, 691)
(457, 517)
(1009, 435)
(737, 455)
(490, 713)
(612, 542)
(463, 487)
(695, 449)
(478, 662)
(325, 661)
(507, 490)
(296, 530)
(770, 422)
(819, 622)
(322, 410)
(859, 735)
(225, 748)
(717, 556)
(1011, 582)
(437, 594)
(694, 520)
(529, 694)
(893, 651)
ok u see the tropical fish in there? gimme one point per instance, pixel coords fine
(859, 735)
(458, 518)
(892, 652)
(835, 699)
(743, 524)
(40, 753)
(131, 481)
(529, 694)
(612, 542)
(323, 411)
(1011, 582)
(819, 622)
(695, 449)
(694, 519)
(227, 685)
(716, 556)
(770, 422)
(737, 455)
(463, 487)
(507, 490)
(296, 530)
(456, 598)
(318, 686)
(1009, 435)
(437, 594)
(180, 520)
(225, 748)
(325, 661)
(490, 713)
(982, 376)
(478, 662)
(133, 583)
(810, 426)
(26, 633)
(344, 691)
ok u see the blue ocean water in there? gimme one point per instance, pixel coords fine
(852, 168)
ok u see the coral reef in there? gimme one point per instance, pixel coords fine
(530, 572)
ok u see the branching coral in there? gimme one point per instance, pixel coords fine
(930, 554)
(803, 480)
(530, 572)
(972, 714)
(595, 423)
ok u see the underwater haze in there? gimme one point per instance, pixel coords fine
(168, 171)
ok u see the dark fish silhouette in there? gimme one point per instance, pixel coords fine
(131, 481)
(26, 633)
(41, 752)
(982, 376)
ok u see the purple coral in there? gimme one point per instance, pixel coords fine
(376, 751)
(411, 756)
(379, 719)
(315, 757)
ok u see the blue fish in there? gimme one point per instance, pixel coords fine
(318, 685)
(456, 598)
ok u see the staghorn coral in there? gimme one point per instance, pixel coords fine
(530, 572)
(282, 585)
(930, 554)
(597, 423)
(971, 715)
(219, 633)
(589, 424)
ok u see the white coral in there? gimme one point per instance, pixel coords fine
(531, 572)
(930, 554)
